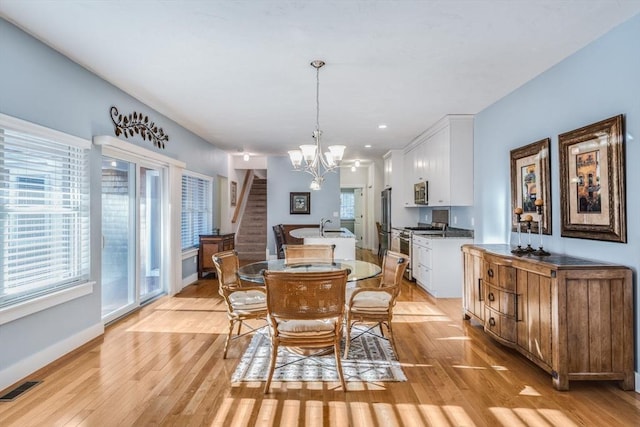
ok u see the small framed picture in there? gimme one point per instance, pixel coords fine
(234, 193)
(300, 203)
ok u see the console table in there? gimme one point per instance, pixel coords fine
(571, 316)
(209, 245)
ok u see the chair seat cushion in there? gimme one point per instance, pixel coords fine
(310, 328)
(248, 300)
(371, 301)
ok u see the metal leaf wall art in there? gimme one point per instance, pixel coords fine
(138, 124)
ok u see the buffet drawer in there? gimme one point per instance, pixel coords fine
(500, 325)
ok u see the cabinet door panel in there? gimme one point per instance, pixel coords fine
(534, 314)
(473, 285)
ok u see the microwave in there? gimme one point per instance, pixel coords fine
(421, 193)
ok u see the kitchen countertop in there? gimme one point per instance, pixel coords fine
(448, 233)
(301, 233)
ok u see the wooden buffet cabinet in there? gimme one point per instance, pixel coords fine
(209, 245)
(572, 317)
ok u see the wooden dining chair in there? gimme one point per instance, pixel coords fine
(375, 305)
(304, 254)
(279, 234)
(243, 302)
(305, 310)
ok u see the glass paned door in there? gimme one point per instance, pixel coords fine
(118, 238)
(132, 234)
(150, 221)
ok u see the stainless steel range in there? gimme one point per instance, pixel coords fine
(406, 237)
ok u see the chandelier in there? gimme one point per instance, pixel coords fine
(309, 158)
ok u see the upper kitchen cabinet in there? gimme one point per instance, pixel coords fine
(393, 171)
(395, 177)
(449, 161)
(443, 156)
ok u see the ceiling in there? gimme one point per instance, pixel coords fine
(237, 73)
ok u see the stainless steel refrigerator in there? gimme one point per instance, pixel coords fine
(385, 221)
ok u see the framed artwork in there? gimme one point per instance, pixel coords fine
(300, 203)
(531, 183)
(592, 181)
(234, 193)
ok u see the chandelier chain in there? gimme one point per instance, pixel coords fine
(312, 159)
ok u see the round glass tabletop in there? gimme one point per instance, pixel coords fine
(358, 270)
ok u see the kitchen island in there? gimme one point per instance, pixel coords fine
(344, 240)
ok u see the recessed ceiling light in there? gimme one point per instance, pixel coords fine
(382, 126)
(353, 168)
(367, 146)
(357, 163)
(246, 157)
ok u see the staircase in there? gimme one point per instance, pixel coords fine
(251, 237)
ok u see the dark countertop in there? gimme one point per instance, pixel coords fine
(554, 260)
(448, 233)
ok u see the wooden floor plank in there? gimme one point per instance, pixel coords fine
(162, 365)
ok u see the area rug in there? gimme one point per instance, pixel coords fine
(370, 359)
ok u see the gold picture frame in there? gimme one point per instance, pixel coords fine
(234, 193)
(592, 181)
(531, 181)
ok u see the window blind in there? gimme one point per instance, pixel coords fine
(196, 209)
(44, 211)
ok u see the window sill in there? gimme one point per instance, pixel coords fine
(188, 253)
(26, 308)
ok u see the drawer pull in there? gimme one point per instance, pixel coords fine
(491, 297)
(490, 272)
(480, 296)
(492, 322)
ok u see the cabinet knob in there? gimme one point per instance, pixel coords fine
(490, 272)
(492, 321)
(491, 297)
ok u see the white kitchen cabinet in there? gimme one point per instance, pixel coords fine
(394, 176)
(437, 267)
(444, 157)
(388, 168)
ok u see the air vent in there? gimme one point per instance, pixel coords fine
(18, 391)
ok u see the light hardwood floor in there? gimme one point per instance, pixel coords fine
(162, 366)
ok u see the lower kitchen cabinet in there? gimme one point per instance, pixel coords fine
(436, 264)
(572, 317)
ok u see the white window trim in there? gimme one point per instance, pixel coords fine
(52, 299)
(189, 252)
(34, 305)
(43, 132)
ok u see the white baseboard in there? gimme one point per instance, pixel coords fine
(189, 279)
(637, 382)
(32, 363)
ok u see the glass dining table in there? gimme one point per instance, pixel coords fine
(358, 270)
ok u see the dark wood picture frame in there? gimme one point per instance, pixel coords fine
(592, 181)
(234, 193)
(530, 181)
(300, 203)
